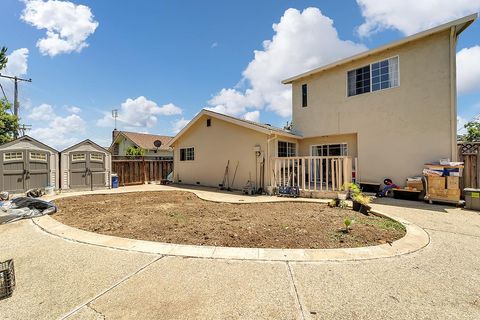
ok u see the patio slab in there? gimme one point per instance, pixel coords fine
(53, 276)
(184, 288)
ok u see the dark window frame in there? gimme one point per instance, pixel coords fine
(187, 154)
(304, 95)
(286, 149)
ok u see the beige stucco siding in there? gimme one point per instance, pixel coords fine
(398, 129)
(349, 139)
(214, 146)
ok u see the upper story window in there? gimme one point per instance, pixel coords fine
(304, 95)
(209, 122)
(373, 77)
(187, 154)
(287, 149)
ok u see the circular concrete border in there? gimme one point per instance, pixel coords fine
(415, 239)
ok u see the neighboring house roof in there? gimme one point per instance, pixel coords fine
(261, 127)
(459, 25)
(83, 142)
(144, 140)
(34, 141)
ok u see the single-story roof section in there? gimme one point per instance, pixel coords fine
(459, 25)
(83, 142)
(143, 140)
(260, 127)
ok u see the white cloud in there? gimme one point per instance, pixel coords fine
(17, 64)
(411, 16)
(73, 109)
(67, 25)
(468, 69)
(59, 132)
(178, 125)
(302, 41)
(140, 112)
(252, 116)
(42, 112)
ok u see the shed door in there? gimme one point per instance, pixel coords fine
(86, 167)
(78, 170)
(24, 169)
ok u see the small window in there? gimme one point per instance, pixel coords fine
(96, 157)
(304, 95)
(79, 157)
(209, 122)
(187, 154)
(287, 149)
(11, 156)
(38, 156)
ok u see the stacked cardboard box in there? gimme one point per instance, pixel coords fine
(443, 188)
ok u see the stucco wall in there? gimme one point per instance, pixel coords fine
(398, 129)
(214, 146)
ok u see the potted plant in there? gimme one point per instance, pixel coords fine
(353, 190)
(360, 203)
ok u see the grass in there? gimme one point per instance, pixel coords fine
(385, 224)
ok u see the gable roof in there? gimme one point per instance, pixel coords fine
(83, 142)
(459, 25)
(144, 140)
(260, 127)
(34, 141)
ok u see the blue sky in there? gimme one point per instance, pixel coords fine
(160, 62)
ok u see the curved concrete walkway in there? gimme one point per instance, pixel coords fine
(415, 239)
(58, 278)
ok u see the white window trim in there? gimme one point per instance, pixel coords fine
(78, 160)
(15, 159)
(180, 154)
(370, 92)
(329, 144)
(96, 160)
(296, 147)
(40, 153)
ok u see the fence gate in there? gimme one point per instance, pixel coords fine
(468, 152)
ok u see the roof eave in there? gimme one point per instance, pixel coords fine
(464, 22)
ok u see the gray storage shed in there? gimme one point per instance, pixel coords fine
(27, 163)
(85, 165)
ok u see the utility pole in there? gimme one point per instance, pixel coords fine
(16, 103)
(24, 128)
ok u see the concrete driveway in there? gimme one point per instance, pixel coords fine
(57, 278)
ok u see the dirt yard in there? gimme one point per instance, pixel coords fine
(182, 217)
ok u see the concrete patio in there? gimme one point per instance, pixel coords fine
(59, 278)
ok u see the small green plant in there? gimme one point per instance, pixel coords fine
(332, 203)
(362, 199)
(343, 204)
(353, 189)
(347, 222)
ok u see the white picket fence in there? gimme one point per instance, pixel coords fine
(313, 173)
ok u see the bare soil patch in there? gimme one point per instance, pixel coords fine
(182, 217)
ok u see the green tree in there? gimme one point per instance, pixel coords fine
(135, 151)
(3, 58)
(8, 122)
(473, 131)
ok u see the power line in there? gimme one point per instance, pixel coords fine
(16, 104)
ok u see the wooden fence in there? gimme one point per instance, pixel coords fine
(468, 152)
(141, 170)
(313, 173)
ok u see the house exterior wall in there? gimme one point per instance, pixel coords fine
(214, 146)
(349, 139)
(399, 129)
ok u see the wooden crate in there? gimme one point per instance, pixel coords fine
(453, 182)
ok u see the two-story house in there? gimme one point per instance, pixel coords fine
(381, 113)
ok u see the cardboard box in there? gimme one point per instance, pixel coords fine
(418, 185)
(436, 182)
(453, 182)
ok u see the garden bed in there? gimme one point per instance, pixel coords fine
(182, 217)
